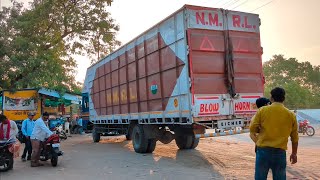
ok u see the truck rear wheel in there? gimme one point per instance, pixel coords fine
(187, 141)
(139, 141)
(151, 145)
(96, 136)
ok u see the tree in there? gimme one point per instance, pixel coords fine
(301, 81)
(37, 44)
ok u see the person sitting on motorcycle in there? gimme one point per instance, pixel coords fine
(8, 128)
(38, 136)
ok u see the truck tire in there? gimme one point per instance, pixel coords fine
(151, 145)
(187, 141)
(139, 141)
(95, 136)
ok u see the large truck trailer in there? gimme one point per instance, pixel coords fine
(198, 70)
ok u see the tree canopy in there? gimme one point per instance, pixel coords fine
(301, 80)
(37, 44)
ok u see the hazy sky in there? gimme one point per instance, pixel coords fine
(289, 27)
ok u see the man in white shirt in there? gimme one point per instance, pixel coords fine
(39, 134)
(8, 128)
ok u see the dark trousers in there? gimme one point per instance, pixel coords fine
(270, 158)
(27, 149)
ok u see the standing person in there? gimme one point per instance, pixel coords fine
(275, 124)
(67, 127)
(80, 128)
(27, 128)
(39, 133)
(8, 128)
(260, 102)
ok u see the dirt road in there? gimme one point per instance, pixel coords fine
(114, 158)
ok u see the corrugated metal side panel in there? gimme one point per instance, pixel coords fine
(148, 77)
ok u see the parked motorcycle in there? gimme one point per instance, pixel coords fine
(51, 150)
(6, 157)
(305, 128)
(59, 130)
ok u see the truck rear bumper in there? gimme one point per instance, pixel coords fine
(225, 133)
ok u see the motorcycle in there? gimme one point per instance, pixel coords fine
(6, 157)
(305, 128)
(51, 150)
(59, 130)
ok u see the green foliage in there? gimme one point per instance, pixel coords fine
(301, 81)
(36, 44)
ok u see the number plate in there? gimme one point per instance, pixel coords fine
(55, 145)
(230, 123)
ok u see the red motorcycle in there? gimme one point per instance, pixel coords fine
(50, 150)
(305, 128)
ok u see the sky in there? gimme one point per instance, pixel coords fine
(288, 27)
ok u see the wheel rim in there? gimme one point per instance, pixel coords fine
(310, 131)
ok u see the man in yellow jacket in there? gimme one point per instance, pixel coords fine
(275, 124)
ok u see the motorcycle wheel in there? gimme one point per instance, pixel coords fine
(8, 163)
(310, 131)
(54, 160)
(63, 135)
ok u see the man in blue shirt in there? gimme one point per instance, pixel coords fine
(27, 128)
(39, 134)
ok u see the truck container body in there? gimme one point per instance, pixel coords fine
(199, 68)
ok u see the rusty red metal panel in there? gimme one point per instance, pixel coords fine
(141, 68)
(124, 109)
(108, 81)
(209, 84)
(115, 96)
(96, 100)
(154, 86)
(143, 89)
(103, 102)
(103, 111)
(144, 106)
(107, 67)
(133, 96)
(101, 71)
(167, 60)
(167, 82)
(123, 94)
(140, 50)
(155, 105)
(115, 78)
(245, 83)
(152, 45)
(109, 110)
(95, 85)
(132, 71)
(131, 55)
(153, 65)
(246, 63)
(109, 97)
(116, 109)
(208, 62)
(123, 75)
(114, 64)
(207, 40)
(102, 83)
(122, 59)
(133, 107)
